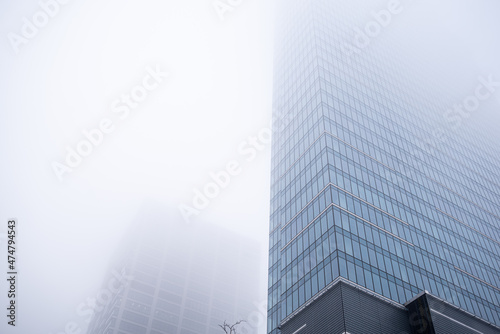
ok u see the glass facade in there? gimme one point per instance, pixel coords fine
(362, 186)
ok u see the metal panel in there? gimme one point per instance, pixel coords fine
(345, 309)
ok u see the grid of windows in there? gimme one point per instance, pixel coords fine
(174, 285)
(355, 189)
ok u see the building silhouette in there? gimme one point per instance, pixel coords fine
(179, 278)
(379, 223)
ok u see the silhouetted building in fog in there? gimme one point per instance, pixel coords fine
(186, 279)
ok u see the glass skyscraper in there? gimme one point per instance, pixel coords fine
(381, 198)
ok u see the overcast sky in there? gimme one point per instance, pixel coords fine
(209, 114)
(65, 80)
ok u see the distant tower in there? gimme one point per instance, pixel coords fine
(185, 279)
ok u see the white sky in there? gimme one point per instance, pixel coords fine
(65, 79)
(219, 92)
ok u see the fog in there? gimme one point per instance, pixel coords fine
(170, 103)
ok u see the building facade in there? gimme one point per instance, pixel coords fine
(180, 279)
(378, 192)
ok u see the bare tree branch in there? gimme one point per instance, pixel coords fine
(230, 329)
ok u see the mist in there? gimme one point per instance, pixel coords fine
(114, 111)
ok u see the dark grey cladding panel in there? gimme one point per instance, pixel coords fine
(324, 315)
(365, 314)
(345, 309)
(430, 315)
(449, 319)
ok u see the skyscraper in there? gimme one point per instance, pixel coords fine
(384, 203)
(178, 279)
